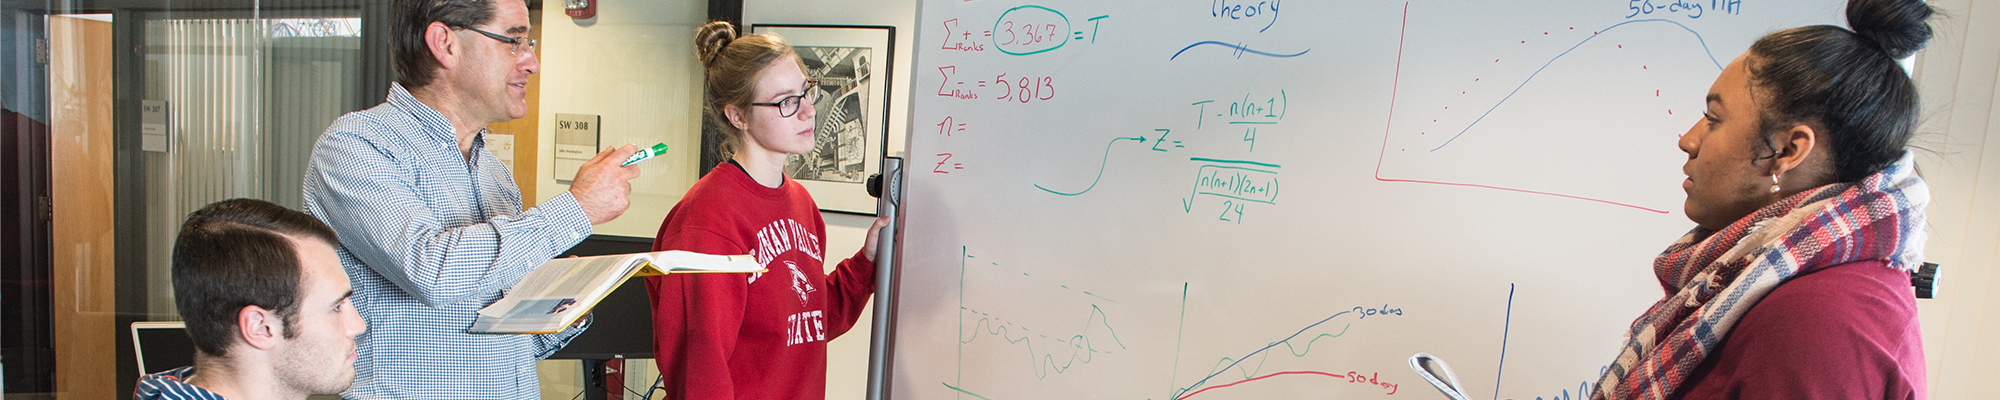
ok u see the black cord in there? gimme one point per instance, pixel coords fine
(659, 383)
(641, 395)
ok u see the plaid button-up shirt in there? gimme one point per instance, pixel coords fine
(429, 237)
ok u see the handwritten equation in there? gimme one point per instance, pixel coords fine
(1238, 182)
(1225, 131)
(1020, 31)
(1017, 88)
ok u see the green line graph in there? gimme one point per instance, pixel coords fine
(1093, 337)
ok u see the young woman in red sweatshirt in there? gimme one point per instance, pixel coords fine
(757, 336)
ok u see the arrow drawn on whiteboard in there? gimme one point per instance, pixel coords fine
(1100, 168)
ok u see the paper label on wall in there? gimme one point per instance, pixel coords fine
(576, 142)
(153, 125)
(501, 143)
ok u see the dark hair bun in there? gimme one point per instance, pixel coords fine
(710, 39)
(1898, 27)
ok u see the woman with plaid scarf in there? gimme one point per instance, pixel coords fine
(1810, 214)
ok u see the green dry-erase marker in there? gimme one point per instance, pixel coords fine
(644, 154)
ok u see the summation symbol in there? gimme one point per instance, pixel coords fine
(946, 89)
(964, 40)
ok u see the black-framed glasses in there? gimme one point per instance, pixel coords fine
(789, 105)
(516, 43)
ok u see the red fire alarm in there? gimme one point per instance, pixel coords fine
(580, 9)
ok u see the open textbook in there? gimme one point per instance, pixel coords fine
(556, 294)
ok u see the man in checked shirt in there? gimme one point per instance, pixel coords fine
(430, 223)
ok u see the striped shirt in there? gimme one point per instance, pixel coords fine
(428, 238)
(171, 385)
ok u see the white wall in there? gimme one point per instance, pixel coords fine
(1957, 75)
(634, 66)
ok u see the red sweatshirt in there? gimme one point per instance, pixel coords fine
(1845, 332)
(751, 336)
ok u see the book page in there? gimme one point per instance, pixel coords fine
(551, 324)
(676, 260)
(561, 286)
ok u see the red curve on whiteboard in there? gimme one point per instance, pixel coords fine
(1257, 379)
(1397, 82)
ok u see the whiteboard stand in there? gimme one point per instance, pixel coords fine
(890, 196)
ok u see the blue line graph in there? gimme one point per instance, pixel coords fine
(1240, 49)
(1552, 61)
(1505, 327)
(1239, 360)
(1100, 169)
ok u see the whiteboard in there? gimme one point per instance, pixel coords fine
(1262, 200)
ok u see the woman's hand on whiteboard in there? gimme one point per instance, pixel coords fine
(874, 233)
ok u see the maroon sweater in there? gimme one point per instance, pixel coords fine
(1845, 332)
(751, 336)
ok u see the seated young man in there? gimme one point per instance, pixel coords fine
(266, 303)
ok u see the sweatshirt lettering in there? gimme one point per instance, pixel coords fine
(783, 236)
(805, 327)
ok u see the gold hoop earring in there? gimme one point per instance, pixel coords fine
(1774, 183)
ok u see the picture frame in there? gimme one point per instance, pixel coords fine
(852, 64)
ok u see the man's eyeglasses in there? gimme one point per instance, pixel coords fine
(789, 105)
(518, 43)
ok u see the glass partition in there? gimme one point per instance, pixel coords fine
(119, 117)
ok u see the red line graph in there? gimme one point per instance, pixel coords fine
(1397, 82)
(1327, 374)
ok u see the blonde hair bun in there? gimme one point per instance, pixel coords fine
(710, 39)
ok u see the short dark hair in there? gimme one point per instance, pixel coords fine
(1844, 83)
(410, 57)
(233, 254)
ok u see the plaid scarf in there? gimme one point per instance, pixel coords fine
(1713, 277)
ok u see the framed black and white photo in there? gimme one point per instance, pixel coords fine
(851, 63)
